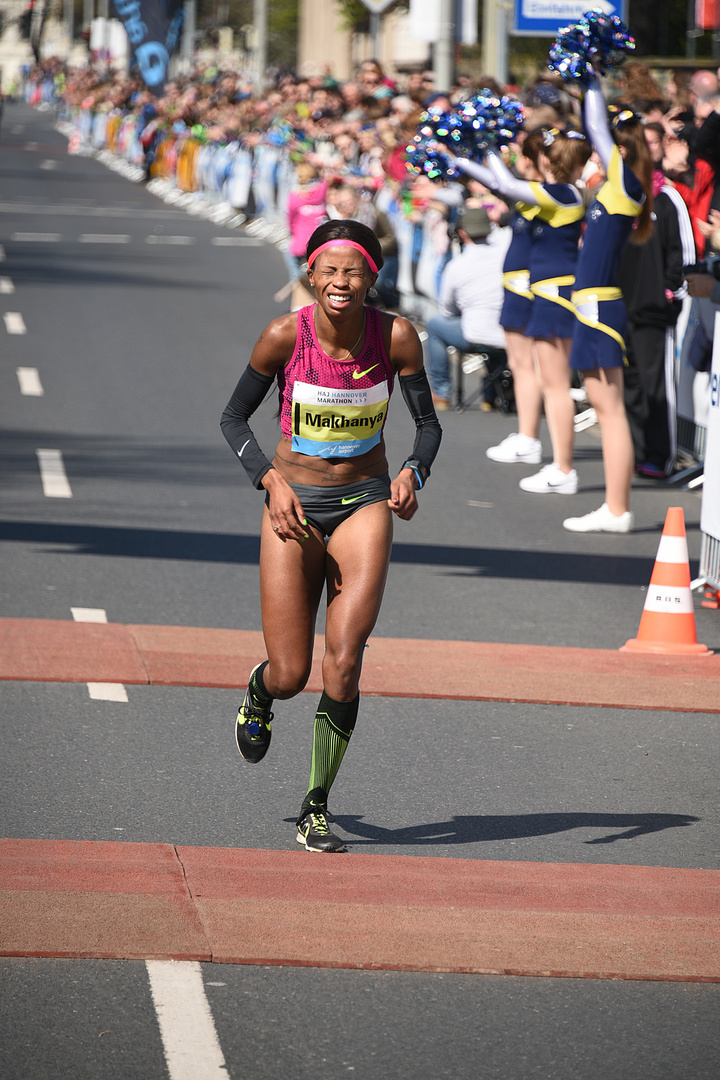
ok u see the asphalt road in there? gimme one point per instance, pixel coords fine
(137, 338)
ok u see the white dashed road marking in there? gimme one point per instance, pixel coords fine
(29, 381)
(6, 286)
(89, 614)
(52, 474)
(236, 241)
(107, 691)
(192, 1048)
(37, 237)
(283, 293)
(179, 240)
(81, 208)
(103, 238)
(49, 164)
(14, 322)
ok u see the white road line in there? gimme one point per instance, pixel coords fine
(89, 614)
(107, 691)
(29, 380)
(52, 473)
(14, 322)
(79, 208)
(49, 164)
(31, 146)
(169, 239)
(282, 294)
(6, 286)
(103, 238)
(37, 237)
(192, 1048)
(236, 241)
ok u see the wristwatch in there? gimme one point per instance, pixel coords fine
(421, 471)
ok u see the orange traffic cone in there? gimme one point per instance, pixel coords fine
(667, 624)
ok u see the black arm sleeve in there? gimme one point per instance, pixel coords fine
(418, 398)
(248, 394)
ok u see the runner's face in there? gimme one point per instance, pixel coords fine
(341, 278)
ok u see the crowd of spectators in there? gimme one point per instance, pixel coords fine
(348, 139)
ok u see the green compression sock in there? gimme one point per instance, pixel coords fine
(334, 724)
(257, 685)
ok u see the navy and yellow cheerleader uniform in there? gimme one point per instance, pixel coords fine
(518, 299)
(555, 214)
(599, 340)
(555, 233)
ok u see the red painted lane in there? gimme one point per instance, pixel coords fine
(226, 873)
(474, 941)
(57, 651)
(62, 866)
(64, 898)
(197, 656)
(52, 650)
(404, 912)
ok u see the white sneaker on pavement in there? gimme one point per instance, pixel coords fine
(601, 521)
(517, 448)
(549, 479)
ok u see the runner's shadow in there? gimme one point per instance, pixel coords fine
(479, 828)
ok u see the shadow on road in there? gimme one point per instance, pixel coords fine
(477, 828)
(506, 562)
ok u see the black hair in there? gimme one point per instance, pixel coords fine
(346, 230)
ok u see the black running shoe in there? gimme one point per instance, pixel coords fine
(314, 832)
(253, 727)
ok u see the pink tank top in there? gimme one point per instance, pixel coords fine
(335, 408)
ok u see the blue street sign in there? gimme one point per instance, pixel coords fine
(543, 18)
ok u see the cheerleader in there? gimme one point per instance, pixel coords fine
(555, 233)
(524, 445)
(621, 211)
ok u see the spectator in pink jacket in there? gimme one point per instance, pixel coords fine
(306, 209)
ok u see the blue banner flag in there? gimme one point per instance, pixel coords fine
(153, 28)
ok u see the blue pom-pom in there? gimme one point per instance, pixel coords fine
(476, 124)
(595, 44)
(423, 157)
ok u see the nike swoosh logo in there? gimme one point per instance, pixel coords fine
(360, 374)
(354, 498)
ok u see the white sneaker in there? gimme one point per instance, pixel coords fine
(549, 479)
(601, 521)
(517, 448)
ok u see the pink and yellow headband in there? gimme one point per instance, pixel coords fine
(344, 243)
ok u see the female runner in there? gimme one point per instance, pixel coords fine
(335, 363)
(555, 232)
(621, 211)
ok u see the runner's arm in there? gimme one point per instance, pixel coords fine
(272, 350)
(417, 396)
(406, 356)
(247, 396)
